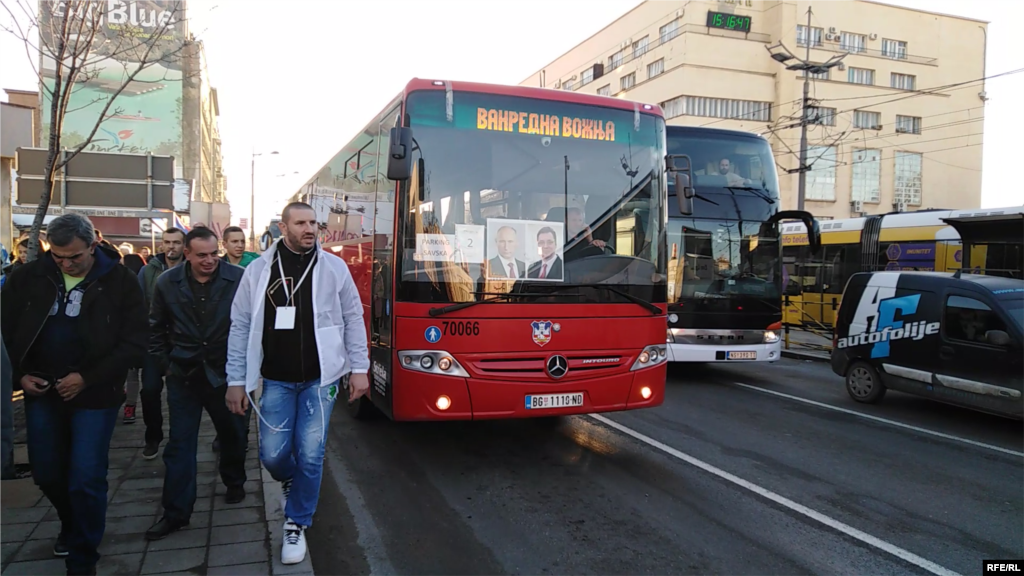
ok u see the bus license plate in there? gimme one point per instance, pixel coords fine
(536, 401)
(742, 356)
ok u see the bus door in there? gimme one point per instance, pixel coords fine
(381, 293)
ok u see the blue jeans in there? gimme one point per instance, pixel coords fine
(68, 452)
(186, 403)
(152, 387)
(6, 415)
(293, 434)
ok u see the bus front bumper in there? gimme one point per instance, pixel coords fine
(724, 353)
(417, 395)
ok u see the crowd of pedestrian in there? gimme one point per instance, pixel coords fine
(84, 327)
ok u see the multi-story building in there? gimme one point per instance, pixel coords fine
(896, 125)
(201, 146)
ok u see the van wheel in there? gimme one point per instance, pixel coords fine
(362, 409)
(863, 383)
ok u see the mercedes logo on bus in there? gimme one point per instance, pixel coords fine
(557, 366)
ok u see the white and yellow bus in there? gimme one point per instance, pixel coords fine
(920, 241)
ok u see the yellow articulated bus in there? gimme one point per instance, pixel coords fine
(920, 241)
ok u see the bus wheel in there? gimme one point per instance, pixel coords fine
(362, 409)
(863, 383)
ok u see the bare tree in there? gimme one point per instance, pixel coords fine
(69, 43)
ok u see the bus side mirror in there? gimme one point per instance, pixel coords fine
(813, 229)
(997, 338)
(400, 154)
(681, 178)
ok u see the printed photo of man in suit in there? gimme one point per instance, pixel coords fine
(549, 267)
(505, 264)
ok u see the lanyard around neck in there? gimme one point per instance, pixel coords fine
(284, 285)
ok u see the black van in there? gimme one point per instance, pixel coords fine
(956, 338)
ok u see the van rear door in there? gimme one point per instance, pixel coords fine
(972, 370)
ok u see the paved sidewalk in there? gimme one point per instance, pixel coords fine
(238, 539)
(808, 345)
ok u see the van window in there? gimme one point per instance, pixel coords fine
(1016, 310)
(968, 319)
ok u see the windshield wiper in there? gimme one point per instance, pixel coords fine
(461, 305)
(757, 192)
(634, 299)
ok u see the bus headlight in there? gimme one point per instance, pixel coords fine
(432, 362)
(650, 356)
(771, 336)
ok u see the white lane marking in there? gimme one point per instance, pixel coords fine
(883, 420)
(369, 539)
(783, 501)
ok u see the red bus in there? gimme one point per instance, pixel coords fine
(508, 243)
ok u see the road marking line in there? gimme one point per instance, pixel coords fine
(783, 501)
(883, 420)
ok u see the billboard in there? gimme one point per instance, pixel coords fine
(146, 116)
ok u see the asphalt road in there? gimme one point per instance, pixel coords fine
(734, 474)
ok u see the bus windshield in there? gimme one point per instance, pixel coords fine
(715, 259)
(524, 195)
(724, 163)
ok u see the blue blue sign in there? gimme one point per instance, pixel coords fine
(433, 334)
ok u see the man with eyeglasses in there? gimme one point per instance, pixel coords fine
(74, 323)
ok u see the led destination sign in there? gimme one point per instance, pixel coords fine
(728, 21)
(543, 124)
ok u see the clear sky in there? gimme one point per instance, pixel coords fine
(302, 77)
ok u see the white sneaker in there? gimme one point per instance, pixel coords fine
(286, 489)
(293, 550)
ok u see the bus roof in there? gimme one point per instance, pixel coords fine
(532, 92)
(702, 131)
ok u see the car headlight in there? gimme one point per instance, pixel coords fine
(771, 336)
(432, 362)
(669, 338)
(651, 356)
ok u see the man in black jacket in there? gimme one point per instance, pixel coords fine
(74, 323)
(189, 322)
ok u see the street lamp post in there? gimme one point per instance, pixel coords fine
(252, 200)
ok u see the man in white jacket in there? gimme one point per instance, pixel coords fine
(297, 323)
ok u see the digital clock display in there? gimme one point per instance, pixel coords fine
(728, 21)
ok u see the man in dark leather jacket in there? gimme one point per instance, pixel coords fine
(189, 323)
(74, 323)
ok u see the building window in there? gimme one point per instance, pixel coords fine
(894, 49)
(861, 76)
(821, 116)
(567, 85)
(615, 60)
(868, 120)
(908, 124)
(586, 77)
(674, 107)
(903, 81)
(867, 175)
(655, 68)
(801, 35)
(627, 81)
(850, 42)
(726, 108)
(669, 31)
(605, 90)
(908, 178)
(817, 75)
(640, 47)
(821, 175)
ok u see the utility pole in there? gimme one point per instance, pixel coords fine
(782, 55)
(252, 200)
(802, 186)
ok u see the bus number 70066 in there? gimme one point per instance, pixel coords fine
(456, 328)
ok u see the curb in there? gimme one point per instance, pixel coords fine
(799, 355)
(275, 524)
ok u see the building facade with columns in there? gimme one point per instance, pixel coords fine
(896, 125)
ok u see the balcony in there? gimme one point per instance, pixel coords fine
(835, 47)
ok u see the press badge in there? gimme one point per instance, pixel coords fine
(285, 319)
